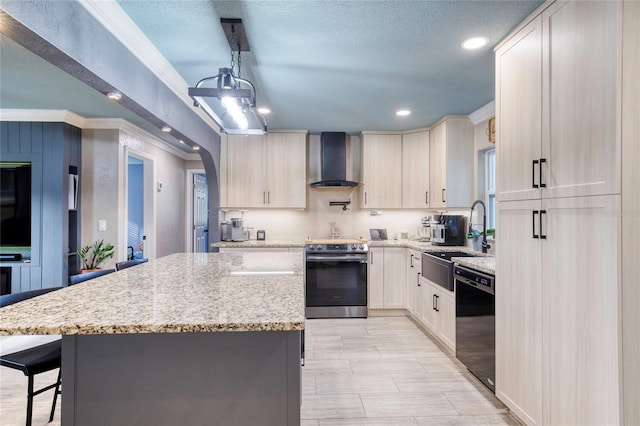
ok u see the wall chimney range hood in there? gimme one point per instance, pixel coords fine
(333, 157)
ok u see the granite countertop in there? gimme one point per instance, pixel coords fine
(179, 293)
(483, 264)
(259, 244)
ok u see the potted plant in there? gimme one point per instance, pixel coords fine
(93, 255)
(476, 237)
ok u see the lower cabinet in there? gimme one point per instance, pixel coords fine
(387, 278)
(413, 262)
(439, 312)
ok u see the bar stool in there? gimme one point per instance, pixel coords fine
(76, 279)
(35, 360)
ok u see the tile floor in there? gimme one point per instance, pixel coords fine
(375, 371)
(386, 371)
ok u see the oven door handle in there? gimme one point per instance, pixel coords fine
(361, 259)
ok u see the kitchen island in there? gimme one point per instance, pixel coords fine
(202, 338)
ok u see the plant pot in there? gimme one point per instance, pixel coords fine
(86, 271)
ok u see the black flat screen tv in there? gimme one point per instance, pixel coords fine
(15, 207)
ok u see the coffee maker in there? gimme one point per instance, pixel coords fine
(449, 231)
(233, 230)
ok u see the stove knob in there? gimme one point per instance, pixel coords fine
(318, 247)
(353, 246)
(311, 247)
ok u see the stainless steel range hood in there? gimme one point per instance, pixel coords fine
(333, 161)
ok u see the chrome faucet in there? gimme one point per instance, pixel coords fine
(485, 246)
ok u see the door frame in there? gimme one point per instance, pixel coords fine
(149, 203)
(188, 223)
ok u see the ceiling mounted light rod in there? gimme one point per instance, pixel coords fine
(234, 103)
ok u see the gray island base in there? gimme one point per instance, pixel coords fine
(246, 378)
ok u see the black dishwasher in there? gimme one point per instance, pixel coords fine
(476, 323)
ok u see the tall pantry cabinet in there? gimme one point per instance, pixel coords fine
(559, 105)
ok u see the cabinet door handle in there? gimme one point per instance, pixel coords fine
(268, 197)
(443, 195)
(533, 223)
(542, 161)
(365, 198)
(433, 302)
(418, 275)
(426, 197)
(411, 261)
(437, 297)
(542, 236)
(264, 197)
(533, 174)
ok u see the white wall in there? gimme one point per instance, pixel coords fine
(104, 193)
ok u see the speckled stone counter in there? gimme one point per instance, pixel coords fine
(183, 292)
(483, 264)
(260, 244)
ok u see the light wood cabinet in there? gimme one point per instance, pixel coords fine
(450, 163)
(519, 306)
(415, 170)
(413, 263)
(386, 278)
(580, 284)
(558, 103)
(381, 170)
(264, 171)
(286, 169)
(558, 344)
(394, 278)
(518, 108)
(439, 315)
(376, 278)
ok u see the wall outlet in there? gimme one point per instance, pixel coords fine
(102, 225)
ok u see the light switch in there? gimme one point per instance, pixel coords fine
(102, 225)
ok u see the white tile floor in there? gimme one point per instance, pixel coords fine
(378, 371)
(386, 371)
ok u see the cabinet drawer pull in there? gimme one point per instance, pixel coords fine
(533, 227)
(542, 161)
(542, 236)
(533, 174)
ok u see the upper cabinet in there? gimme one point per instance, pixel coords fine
(415, 170)
(451, 163)
(381, 170)
(264, 171)
(558, 99)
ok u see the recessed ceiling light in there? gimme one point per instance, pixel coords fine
(196, 148)
(403, 112)
(181, 141)
(475, 43)
(166, 129)
(264, 110)
(114, 96)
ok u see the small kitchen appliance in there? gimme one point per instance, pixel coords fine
(449, 231)
(233, 230)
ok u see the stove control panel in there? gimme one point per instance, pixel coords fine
(335, 248)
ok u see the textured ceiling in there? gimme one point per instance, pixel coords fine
(318, 65)
(341, 65)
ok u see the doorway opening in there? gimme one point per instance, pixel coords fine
(140, 207)
(198, 212)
